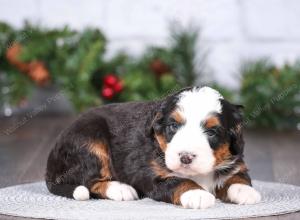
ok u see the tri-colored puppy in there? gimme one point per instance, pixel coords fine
(186, 149)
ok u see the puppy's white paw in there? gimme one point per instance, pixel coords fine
(197, 199)
(120, 192)
(243, 194)
(81, 193)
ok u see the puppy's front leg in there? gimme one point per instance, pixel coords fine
(238, 189)
(182, 192)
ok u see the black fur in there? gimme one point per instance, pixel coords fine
(231, 118)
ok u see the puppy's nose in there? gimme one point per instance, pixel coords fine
(186, 158)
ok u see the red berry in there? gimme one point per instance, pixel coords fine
(108, 93)
(118, 87)
(110, 80)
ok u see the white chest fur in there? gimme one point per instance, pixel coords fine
(205, 181)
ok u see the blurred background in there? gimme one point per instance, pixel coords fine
(59, 58)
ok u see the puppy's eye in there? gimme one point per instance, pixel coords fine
(173, 127)
(210, 132)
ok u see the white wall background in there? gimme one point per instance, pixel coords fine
(233, 30)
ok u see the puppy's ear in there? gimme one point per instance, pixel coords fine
(154, 124)
(165, 107)
(236, 130)
(157, 122)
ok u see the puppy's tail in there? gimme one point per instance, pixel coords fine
(76, 192)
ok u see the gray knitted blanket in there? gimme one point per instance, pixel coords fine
(34, 200)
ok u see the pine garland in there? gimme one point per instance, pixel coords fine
(271, 95)
(74, 61)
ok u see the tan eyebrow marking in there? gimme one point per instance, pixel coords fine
(176, 115)
(212, 122)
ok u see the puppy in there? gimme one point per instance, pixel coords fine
(186, 149)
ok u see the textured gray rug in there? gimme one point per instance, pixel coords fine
(33, 200)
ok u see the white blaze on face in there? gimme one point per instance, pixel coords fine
(194, 106)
